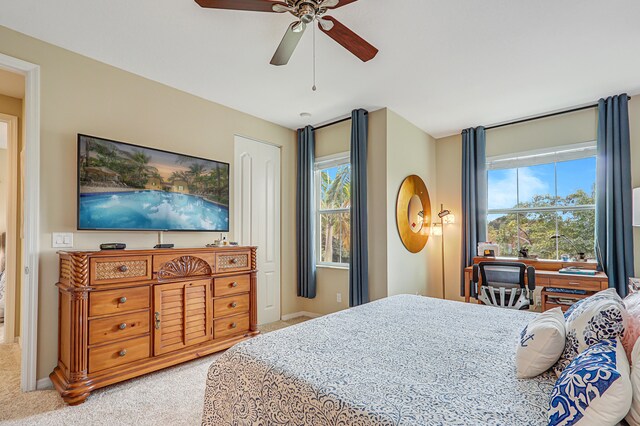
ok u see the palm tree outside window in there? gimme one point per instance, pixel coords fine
(333, 210)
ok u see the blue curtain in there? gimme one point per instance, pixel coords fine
(614, 232)
(359, 268)
(474, 197)
(305, 218)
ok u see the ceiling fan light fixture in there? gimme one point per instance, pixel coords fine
(325, 24)
(298, 27)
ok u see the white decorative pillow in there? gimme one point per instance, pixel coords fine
(541, 344)
(633, 418)
(601, 316)
(595, 389)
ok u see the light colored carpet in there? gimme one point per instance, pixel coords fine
(173, 396)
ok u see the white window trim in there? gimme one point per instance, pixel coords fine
(537, 157)
(321, 163)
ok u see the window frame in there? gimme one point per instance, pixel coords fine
(553, 155)
(320, 164)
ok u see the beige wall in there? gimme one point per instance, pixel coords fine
(560, 130)
(377, 203)
(410, 151)
(80, 95)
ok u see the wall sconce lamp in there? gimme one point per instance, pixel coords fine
(438, 229)
(636, 207)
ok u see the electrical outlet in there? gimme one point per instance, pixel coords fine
(62, 240)
(339, 297)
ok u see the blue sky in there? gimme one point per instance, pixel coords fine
(540, 180)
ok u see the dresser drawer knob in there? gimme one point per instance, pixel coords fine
(122, 352)
(123, 268)
(233, 304)
(234, 284)
(122, 326)
(122, 300)
(233, 260)
(234, 325)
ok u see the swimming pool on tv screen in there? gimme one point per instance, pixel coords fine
(151, 210)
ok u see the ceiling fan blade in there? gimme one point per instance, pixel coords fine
(288, 44)
(255, 5)
(334, 4)
(348, 39)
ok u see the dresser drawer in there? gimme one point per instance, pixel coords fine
(231, 262)
(229, 326)
(118, 301)
(118, 327)
(238, 304)
(120, 269)
(115, 354)
(231, 285)
(575, 282)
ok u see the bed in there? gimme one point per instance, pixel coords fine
(404, 360)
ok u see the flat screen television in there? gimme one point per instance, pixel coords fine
(124, 187)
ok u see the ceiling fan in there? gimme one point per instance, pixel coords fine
(306, 11)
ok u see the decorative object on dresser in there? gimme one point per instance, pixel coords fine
(125, 314)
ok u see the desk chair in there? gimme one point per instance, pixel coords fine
(503, 284)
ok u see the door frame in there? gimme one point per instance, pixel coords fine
(31, 220)
(11, 249)
(237, 215)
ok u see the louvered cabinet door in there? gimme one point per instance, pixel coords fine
(182, 315)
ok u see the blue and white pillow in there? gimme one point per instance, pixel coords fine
(601, 316)
(595, 389)
(541, 344)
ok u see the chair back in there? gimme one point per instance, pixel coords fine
(504, 284)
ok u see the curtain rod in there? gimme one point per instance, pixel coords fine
(342, 120)
(539, 117)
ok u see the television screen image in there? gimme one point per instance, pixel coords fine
(130, 187)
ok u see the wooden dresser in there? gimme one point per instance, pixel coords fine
(126, 313)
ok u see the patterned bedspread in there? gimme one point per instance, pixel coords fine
(404, 360)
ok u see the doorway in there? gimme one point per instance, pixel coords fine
(28, 217)
(257, 217)
(9, 225)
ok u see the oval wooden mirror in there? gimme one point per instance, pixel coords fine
(413, 213)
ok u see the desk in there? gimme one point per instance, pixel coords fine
(547, 275)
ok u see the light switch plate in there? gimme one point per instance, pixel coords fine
(62, 240)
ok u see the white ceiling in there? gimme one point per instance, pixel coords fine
(11, 84)
(444, 65)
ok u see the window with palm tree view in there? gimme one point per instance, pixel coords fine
(333, 210)
(544, 202)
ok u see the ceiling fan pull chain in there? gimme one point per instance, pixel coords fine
(314, 59)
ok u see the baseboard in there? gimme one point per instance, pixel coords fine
(44, 384)
(299, 314)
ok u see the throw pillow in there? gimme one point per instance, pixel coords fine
(601, 316)
(595, 389)
(541, 344)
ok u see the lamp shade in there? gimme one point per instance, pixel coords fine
(636, 207)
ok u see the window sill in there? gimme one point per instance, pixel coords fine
(345, 268)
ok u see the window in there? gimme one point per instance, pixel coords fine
(333, 210)
(535, 196)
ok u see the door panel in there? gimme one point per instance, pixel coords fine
(257, 217)
(182, 315)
